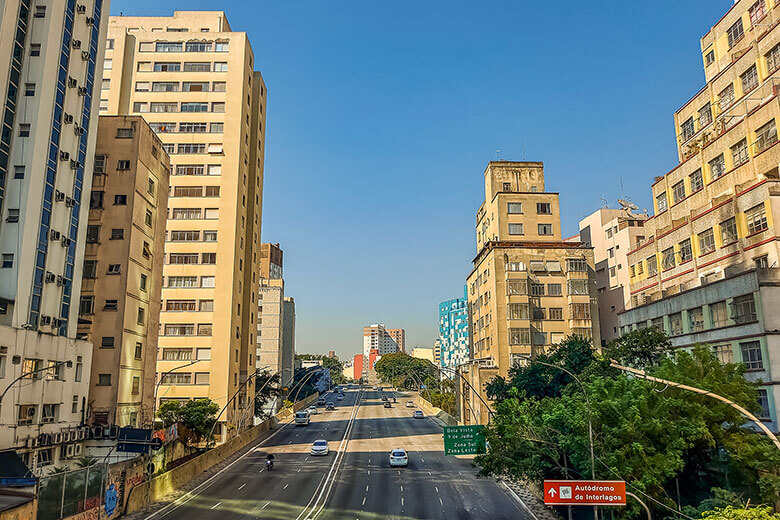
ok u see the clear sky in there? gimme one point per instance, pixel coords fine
(383, 115)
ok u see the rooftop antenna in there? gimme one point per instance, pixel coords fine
(522, 147)
(498, 156)
(605, 202)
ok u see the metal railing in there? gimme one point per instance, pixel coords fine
(61, 495)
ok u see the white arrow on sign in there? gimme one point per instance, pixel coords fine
(552, 492)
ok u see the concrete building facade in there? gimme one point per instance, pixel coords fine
(423, 353)
(529, 289)
(453, 341)
(49, 68)
(288, 339)
(119, 307)
(399, 336)
(377, 337)
(715, 211)
(193, 79)
(612, 233)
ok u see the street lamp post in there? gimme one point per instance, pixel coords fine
(26, 374)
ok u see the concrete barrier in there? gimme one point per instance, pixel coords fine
(443, 417)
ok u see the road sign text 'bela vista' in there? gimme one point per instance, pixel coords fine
(585, 492)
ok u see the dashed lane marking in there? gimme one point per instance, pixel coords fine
(242, 486)
(266, 505)
(216, 505)
(285, 486)
(364, 501)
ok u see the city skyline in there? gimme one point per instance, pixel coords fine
(409, 111)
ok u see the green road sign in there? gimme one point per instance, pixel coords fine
(464, 440)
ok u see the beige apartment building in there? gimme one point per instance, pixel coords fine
(377, 336)
(192, 78)
(612, 233)
(399, 336)
(707, 271)
(119, 308)
(529, 289)
(49, 71)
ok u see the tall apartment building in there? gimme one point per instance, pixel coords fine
(288, 339)
(529, 289)
(270, 327)
(50, 52)
(612, 233)
(399, 336)
(192, 78)
(453, 341)
(271, 261)
(376, 336)
(708, 269)
(119, 308)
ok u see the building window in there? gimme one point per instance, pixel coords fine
(726, 97)
(743, 309)
(123, 164)
(739, 153)
(773, 59)
(543, 208)
(220, 66)
(87, 305)
(142, 282)
(141, 317)
(111, 305)
(18, 172)
(652, 266)
(705, 115)
(93, 234)
(687, 129)
(194, 107)
(717, 167)
(554, 289)
(148, 218)
(114, 269)
(514, 208)
(7, 261)
(757, 12)
(221, 46)
(761, 262)
(204, 329)
(661, 202)
(696, 181)
(517, 311)
(90, 269)
(706, 242)
(728, 231)
(219, 86)
(678, 192)
(696, 319)
(756, 219)
(136, 385)
(667, 259)
(139, 347)
(577, 287)
(749, 79)
(579, 311)
(197, 66)
(167, 67)
(519, 336)
(515, 229)
(576, 265)
(763, 401)
(107, 342)
(177, 354)
(723, 353)
(168, 47)
(35, 49)
(108, 64)
(720, 315)
(766, 136)
(751, 355)
(545, 229)
(124, 133)
(117, 234)
(735, 33)
(104, 380)
(686, 253)
(24, 130)
(29, 89)
(555, 313)
(676, 324)
(120, 200)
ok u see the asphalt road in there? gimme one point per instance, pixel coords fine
(354, 481)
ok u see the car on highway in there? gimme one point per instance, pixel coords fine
(409, 404)
(418, 414)
(321, 401)
(312, 410)
(398, 457)
(302, 418)
(330, 406)
(384, 397)
(388, 405)
(340, 397)
(319, 447)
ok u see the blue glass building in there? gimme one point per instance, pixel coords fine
(454, 332)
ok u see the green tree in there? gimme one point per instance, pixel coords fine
(199, 415)
(404, 371)
(336, 368)
(741, 513)
(266, 388)
(640, 348)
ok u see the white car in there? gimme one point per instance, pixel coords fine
(418, 414)
(312, 410)
(409, 404)
(320, 447)
(340, 397)
(398, 457)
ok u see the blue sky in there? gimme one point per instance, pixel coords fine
(383, 115)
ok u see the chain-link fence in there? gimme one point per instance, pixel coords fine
(65, 494)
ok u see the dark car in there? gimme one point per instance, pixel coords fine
(388, 405)
(384, 398)
(329, 406)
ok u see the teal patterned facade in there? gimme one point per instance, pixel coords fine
(454, 332)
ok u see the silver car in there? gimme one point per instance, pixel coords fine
(418, 414)
(398, 457)
(312, 410)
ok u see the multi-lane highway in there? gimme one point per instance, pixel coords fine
(354, 481)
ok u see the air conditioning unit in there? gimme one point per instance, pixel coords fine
(68, 451)
(64, 156)
(44, 439)
(68, 119)
(112, 432)
(50, 277)
(45, 320)
(54, 235)
(72, 84)
(60, 280)
(55, 322)
(57, 438)
(97, 432)
(74, 164)
(82, 91)
(77, 450)
(81, 433)
(81, 8)
(59, 196)
(90, 20)
(69, 202)
(32, 442)
(65, 241)
(76, 44)
(66, 436)
(78, 130)
(85, 55)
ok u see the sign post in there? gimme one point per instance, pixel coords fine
(464, 440)
(585, 492)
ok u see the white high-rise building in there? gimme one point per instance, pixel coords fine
(51, 56)
(376, 336)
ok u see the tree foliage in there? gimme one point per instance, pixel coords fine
(266, 389)
(741, 513)
(199, 415)
(404, 371)
(650, 435)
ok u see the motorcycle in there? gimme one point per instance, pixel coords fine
(269, 465)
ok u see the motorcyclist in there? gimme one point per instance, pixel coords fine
(269, 460)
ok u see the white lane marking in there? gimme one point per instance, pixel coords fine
(429, 473)
(422, 459)
(364, 501)
(216, 505)
(402, 489)
(442, 503)
(437, 488)
(402, 501)
(369, 472)
(261, 470)
(299, 470)
(266, 505)
(242, 486)
(285, 486)
(369, 460)
(366, 489)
